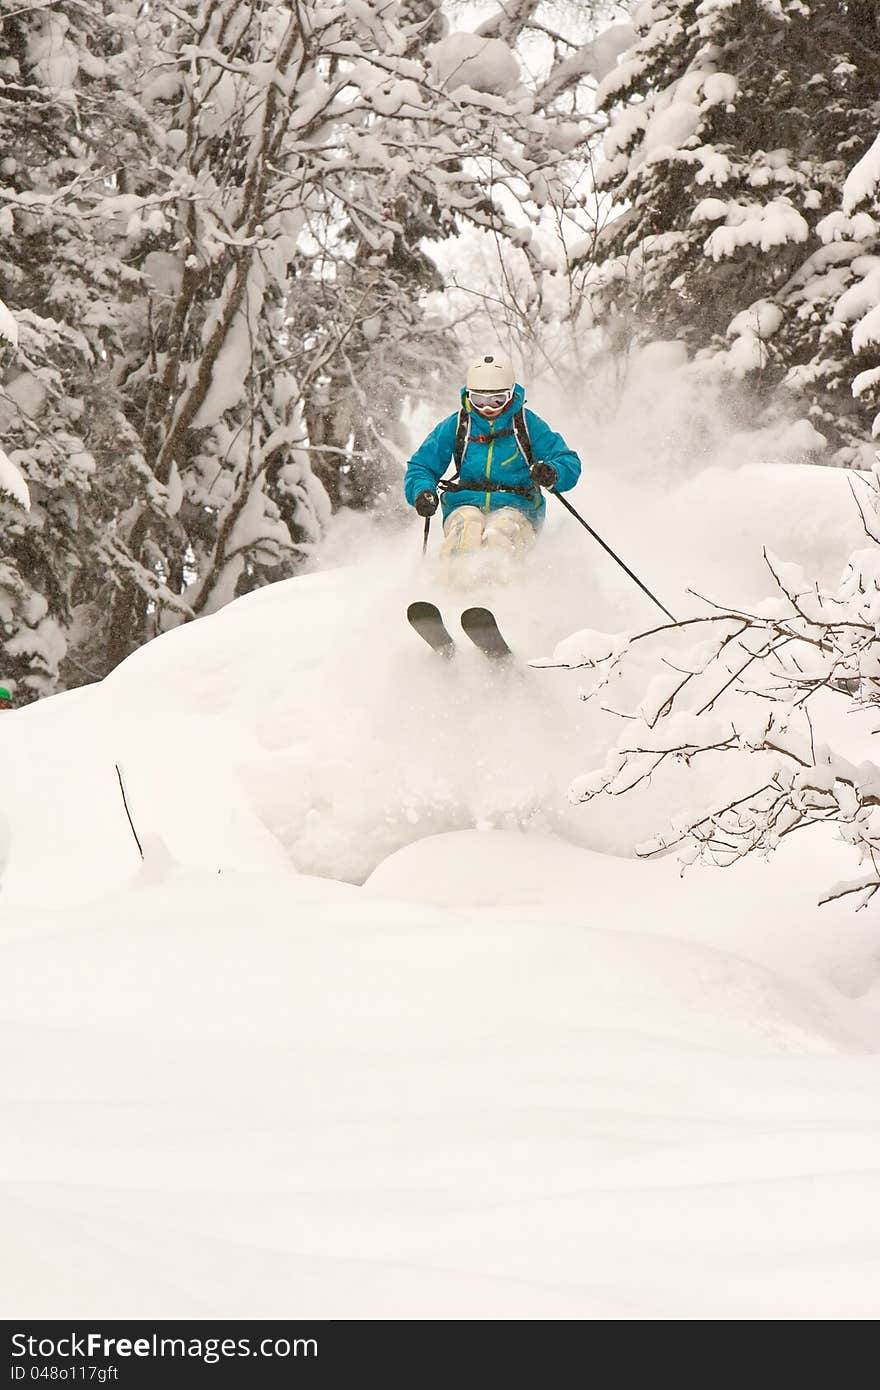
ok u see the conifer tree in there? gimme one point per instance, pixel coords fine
(66, 131)
(734, 123)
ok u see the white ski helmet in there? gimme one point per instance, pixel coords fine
(490, 374)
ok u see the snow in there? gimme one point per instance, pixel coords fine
(673, 127)
(589, 648)
(619, 77)
(861, 297)
(838, 227)
(52, 56)
(720, 88)
(746, 354)
(763, 319)
(749, 329)
(385, 1026)
(607, 48)
(709, 210)
(765, 225)
(346, 1095)
(715, 166)
(8, 325)
(12, 482)
(628, 127)
(861, 181)
(802, 437)
(867, 331)
(468, 60)
(233, 360)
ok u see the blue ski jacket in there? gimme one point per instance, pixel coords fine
(491, 457)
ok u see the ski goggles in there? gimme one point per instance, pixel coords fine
(489, 400)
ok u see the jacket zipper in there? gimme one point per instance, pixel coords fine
(489, 462)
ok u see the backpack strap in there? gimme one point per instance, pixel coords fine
(488, 438)
(522, 437)
(462, 435)
(488, 485)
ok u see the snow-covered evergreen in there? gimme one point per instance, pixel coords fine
(738, 155)
(71, 459)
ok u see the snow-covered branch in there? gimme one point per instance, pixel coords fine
(760, 687)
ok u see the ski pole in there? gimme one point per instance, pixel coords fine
(425, 541)
(577, 516)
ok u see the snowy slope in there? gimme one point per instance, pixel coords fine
(307, 724)
(379, 1028)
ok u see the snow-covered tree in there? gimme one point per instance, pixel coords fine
(733, 126)
(213, 220)
(528, 291)
(756, 695)
(834, 298)
(66, 128)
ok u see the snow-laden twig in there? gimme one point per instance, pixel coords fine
(127, 811)
(742, 693)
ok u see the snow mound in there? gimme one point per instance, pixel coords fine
(474, 868)
(624, 908)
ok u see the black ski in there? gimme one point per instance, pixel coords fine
(428, 622)
(482, 629)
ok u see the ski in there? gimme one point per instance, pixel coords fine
(482, 629)
(427, 621)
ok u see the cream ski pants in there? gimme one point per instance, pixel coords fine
(476, 540)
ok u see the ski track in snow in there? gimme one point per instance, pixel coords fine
(383, 1026)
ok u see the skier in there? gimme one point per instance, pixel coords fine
(5, 698)
(503, 455)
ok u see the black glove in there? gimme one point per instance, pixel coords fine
(426, 503)
(544, 474)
